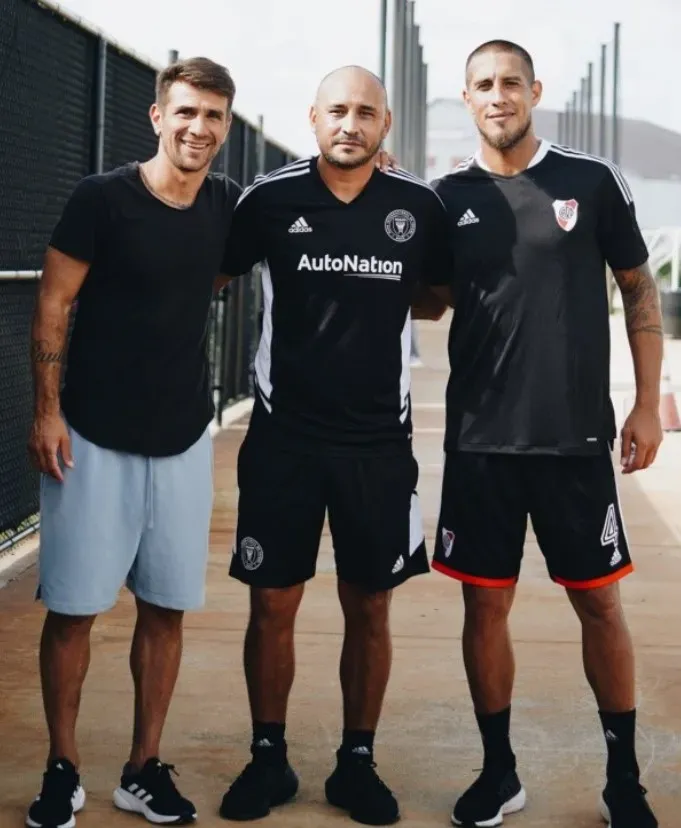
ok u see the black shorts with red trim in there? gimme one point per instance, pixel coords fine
(572, 502)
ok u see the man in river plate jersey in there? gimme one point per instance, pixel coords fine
(530, 424)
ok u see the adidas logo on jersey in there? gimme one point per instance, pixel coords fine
(300, 226)
(468, 217)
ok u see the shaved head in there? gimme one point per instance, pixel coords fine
(350, 75)
(350, 117)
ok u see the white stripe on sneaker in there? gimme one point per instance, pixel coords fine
(126, 801)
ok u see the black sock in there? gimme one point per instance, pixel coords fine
(269, 736)
(495, 731)
(358, 743)
(620, 732)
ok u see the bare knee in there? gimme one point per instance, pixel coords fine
(67, 627)
(487, 605)
(275, 609)
(602, 605)
(362, 609)
(160, 619)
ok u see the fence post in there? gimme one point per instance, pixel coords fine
(100, 112)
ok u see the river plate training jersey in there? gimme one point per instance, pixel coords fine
(333, 360)
(529, 345)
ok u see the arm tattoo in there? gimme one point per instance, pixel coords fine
(40, 352)
(641, 300)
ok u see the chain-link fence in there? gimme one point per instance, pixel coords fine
(74, 103)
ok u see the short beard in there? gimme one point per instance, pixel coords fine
(352, 164)
(507, 142)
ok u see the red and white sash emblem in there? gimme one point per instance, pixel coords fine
(566, 213)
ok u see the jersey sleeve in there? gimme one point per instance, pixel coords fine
(439, 258)
(620, 236)
(245, 245)
(81, 226)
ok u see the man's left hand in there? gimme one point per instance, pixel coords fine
(641, 438)
(386, 161)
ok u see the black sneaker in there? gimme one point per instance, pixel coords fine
(60, 798)
(355, 787)
(624, 804)
(267, 781)
(152, 793)
(492, 796)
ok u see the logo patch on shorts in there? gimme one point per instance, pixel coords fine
(251, 553)
(447, 541)
(610, 534)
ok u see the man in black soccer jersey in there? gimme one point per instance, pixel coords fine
(530, 424)
(125, 452)
(344, 246)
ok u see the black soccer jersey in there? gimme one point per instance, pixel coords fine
(334, 356)
(529, 345)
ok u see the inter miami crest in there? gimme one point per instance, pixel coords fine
(566, 213)
(400, 225)
(251, 553)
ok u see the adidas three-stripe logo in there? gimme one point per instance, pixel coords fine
(468, 217)
(140, 793)
(300, 226)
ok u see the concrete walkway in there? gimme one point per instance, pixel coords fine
(427, 746)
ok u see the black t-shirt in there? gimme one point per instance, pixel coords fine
(333, 364)
(529, 345)
(137, 377)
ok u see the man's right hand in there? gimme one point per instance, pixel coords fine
(50, 438)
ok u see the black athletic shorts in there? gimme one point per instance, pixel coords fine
(571, 501)
(284, 494)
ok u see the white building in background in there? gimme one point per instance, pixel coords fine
(650, 156)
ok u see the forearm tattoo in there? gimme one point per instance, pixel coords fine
(641, 300)
(42, 352)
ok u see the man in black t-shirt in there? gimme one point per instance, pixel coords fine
(126, 455)
(530, 424)
(344, 247)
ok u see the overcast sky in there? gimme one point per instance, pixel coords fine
(278, 50)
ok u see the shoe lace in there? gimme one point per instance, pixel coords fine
(164, 782)
(252, 775)
(631, 796)
(488, 778)
(367, 776)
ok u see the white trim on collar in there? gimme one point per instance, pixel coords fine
(540, 154)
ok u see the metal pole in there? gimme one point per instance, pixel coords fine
(424, 119)
(601, 120)
(407, 113)
(261, 145)
(615, 93)
(561, 118)
(395, 136)
(384, 37)
(424, 98)
(568, 115)
(414, 95)
(580, 127)
(173, 56)
(575, 124)
(101, 106)
(589, 99)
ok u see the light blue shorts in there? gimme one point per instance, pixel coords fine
(125, 519)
